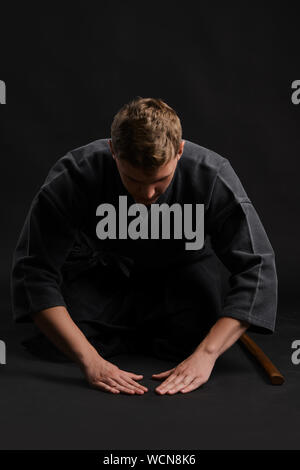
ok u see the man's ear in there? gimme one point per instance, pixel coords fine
(111, 148)
(181, 149)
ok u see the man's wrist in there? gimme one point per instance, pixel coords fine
(84, 358)
(221, 336)
(206, 349)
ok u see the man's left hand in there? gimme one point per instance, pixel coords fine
(188, 375)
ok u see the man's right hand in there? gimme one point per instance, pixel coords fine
(58, 326)
(106, 376)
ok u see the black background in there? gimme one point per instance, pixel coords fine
(227, 71)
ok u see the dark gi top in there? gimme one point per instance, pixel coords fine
(145, 291)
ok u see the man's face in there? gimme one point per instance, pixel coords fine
(145, 187)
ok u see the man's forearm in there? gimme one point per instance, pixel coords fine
(58, 326)
(224, 333)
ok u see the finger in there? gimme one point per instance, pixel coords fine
(129, 379)
(133, 382)
(126, 389)
(162, 388)
(162, 374)
(169, 380)
(185, 382)
(133, 386)
(115, 383)
(118, 380)
(136, 385)
(129, 376)
(136, 376)
(105, 387)
(193, 385)
(130, 384)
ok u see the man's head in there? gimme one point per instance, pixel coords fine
(146, 143)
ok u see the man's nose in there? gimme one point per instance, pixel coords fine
(148, 192)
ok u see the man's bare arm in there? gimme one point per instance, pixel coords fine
(58, 326)
(223, 334)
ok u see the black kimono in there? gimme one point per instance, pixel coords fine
(144, 294)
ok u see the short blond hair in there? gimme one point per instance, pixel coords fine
(146, 132)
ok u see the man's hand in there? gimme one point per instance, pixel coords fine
(188, 375)
(57, 324)
(106, 376)
(196, 369)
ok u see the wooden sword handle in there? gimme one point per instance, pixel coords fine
(275, 376)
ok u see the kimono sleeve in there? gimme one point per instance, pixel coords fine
(241, 243)
(46, 238)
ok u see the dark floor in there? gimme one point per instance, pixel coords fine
(45, 405)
